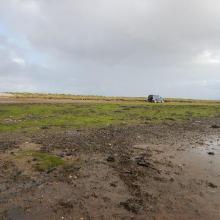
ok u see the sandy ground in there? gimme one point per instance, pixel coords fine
(156, 172)
(6, 98)
(2, 94)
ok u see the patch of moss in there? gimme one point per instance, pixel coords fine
(44, 161)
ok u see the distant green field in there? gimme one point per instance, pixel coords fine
(30, 117)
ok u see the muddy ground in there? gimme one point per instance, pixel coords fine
(165, 171)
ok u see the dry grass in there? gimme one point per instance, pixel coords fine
(102, 98)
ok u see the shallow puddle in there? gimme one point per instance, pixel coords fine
(201, 170)
(204, 161)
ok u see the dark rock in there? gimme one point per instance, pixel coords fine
(172, 179)
(211, 153)
(212, 185)
(113, 184)
(141, 161)
(110, 158)
(215, 126)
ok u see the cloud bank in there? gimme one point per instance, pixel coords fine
(117, 47)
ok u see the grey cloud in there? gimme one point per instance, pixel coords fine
(118, 47)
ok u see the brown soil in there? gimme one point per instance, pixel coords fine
(166, 171)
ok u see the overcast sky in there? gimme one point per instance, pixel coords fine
(111, 47)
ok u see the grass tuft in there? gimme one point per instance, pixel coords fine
(44, 161)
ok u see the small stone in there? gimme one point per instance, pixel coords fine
(212, 185)
(141, 161)
(113, 184)
(211, 153)
(110, 159)
(172, 179)
(215, 126)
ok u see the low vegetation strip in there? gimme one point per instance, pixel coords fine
(74, 97)
(64, 97)
(45, 116)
